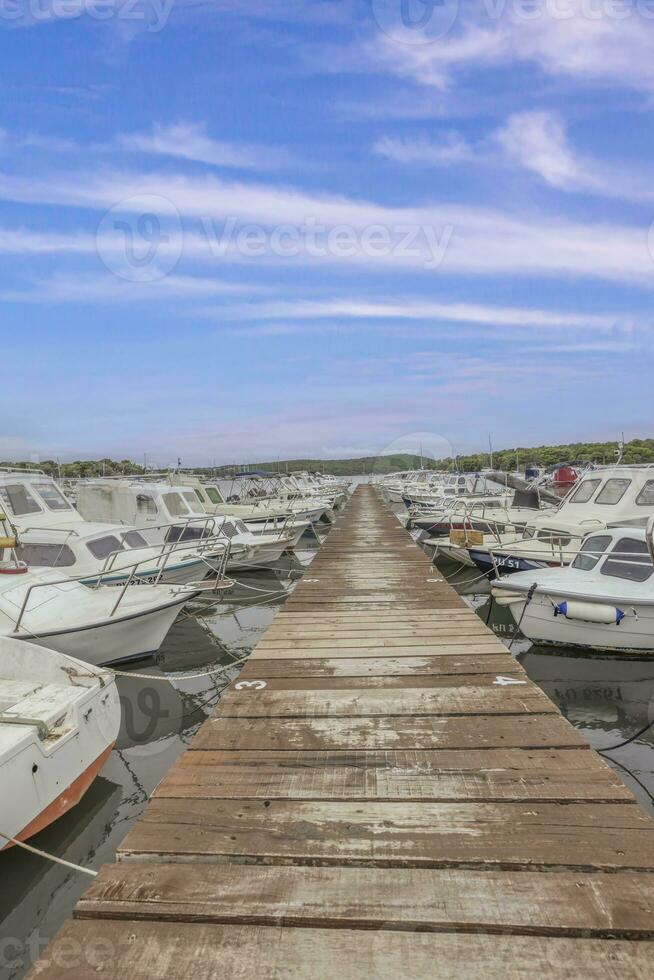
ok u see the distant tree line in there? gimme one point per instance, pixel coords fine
(635, 451)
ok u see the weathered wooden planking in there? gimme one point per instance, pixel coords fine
(512, 836)
(201, 775)
(402, 682)
(470, 646)
(518, 903)
(353, 620)
(201, 951)
(581, 759)
(326, 668)
(469, 700)
(414, 732)
(465, 634)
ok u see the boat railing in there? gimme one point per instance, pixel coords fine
(219, 568)
(216, 546)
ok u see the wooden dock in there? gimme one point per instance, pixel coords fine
(381, 793)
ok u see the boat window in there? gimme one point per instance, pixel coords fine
(185, 533)
(591, 551)
(199, 495)
(175, 504)
(134, 540)
(16, 498)
(54, 499)
(462, 481)
(102, 547)
(584, 491)
(46, 555)
(634, 562)
(228, 529)
(613, 491)
(555, 538)
(145, 505)
(646, 496)
(213, 495)
(189, 497)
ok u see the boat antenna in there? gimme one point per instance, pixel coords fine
(490, 450)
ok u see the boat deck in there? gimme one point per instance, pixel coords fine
(381, 793)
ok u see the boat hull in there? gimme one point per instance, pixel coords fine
(635, 634)
(112, 641)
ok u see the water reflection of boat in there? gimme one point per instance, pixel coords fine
(602, 693)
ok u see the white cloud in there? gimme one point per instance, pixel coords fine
(453, 149)
(407, 309)
(474, 240)
(538, 141)
(566, 39)
(190, 142)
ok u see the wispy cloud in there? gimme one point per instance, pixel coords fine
(565, 41)
(80, 288)
(539, 142)
(474, 240)
(429, 311)
(452, 149)
(190, 141)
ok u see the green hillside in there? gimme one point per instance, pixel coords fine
(636, 451)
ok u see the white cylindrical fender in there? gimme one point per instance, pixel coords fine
(590, 612)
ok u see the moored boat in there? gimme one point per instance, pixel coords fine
(59, 719)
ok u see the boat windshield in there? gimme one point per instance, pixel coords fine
(18, 500)
(584, 491)
(591, 551)
(632, 561)
(52, 496)
(45, 555)
(213, 495)
(175, 504)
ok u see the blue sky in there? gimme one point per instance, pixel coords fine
(240, 231)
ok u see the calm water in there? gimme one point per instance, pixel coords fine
(606, 698)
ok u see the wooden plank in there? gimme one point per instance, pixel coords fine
(325, 668)
(517, 903)
(460, 646)
(359, 702)
(581, 759)
(464, 634)
(201, 951)
(416, 732)
(512, 836)
(201, 775)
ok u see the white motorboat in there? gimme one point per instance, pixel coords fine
(54, 535)
(59, 719)
(139, 502)
(604, 600)
(99, 625)
(607, 497)
(394, 486)
(259, 518)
